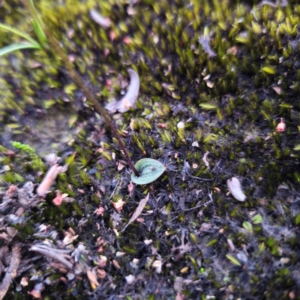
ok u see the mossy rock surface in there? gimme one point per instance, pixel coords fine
(216, 79)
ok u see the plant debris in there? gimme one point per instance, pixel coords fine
(129, 99)
(235, 189)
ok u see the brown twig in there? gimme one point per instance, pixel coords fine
(12, 270)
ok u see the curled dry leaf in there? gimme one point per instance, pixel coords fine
(205, 159)
(235, 189)
(138, 211)
(128, 101)
(49, 178)
(99, 19)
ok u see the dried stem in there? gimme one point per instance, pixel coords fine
(12, 270)
(79, 81)
(52, 254)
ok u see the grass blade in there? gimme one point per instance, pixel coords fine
(20, 33)
(37, 24)
(17, 46)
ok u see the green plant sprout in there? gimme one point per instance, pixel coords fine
(30, 43)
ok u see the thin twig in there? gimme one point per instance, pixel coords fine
(52, 254)
(12, 270)
(195, 207)
(58, 251)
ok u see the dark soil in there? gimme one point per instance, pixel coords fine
(193, 240)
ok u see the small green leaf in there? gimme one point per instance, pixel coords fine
(269, 70)
(286, 105)
(211, 243)
(17, 46)
(233, 260)
(297, 221)
(297, 147)
(243, 39)
(257, 219)
(21, 34)
(149, 169)
(208, 106)
(247, 226)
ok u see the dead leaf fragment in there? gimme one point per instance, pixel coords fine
(37, 291)
(277, 89)
(99, 211)
(210, 84)
(92, 278)
(162, 125)
(69, 238)
(116, 264)
(137, 212)
(233, 50)
(205, 159)
(157, 265)
(59, 198)
(120, 166)
(204, 42)
(101, 273)
(118, 206)
(281, 126)
(130, 188)
(24, 281)
(99, 19)
(129, 99)
(235, 189)
(49, 178)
